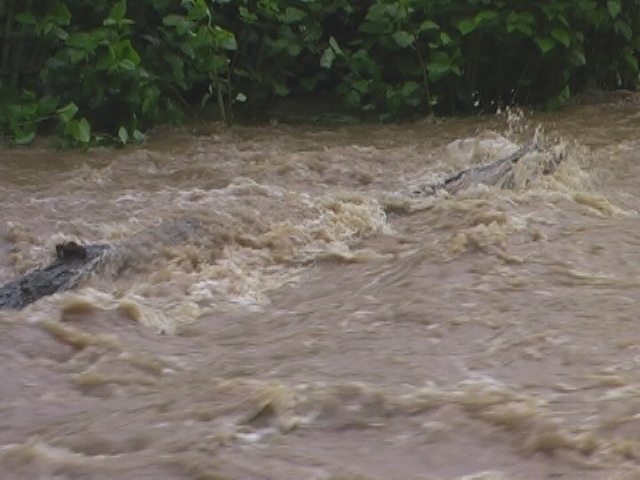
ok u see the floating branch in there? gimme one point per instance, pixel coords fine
(498, 173)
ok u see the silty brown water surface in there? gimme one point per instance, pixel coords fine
(322, 323)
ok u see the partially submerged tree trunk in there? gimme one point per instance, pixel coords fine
(73, 263)
(498, 173)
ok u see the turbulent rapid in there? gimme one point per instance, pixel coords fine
(303, 302)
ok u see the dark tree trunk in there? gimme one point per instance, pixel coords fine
(73, 263)
(498, 174)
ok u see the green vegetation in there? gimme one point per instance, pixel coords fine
(98, 71)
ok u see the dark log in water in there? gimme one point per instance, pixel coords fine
(498, 173)
(73, 263)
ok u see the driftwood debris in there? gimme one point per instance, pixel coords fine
(498, 173)
(72, 263)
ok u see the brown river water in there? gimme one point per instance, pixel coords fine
(323, 323)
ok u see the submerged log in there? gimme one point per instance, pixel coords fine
(72, 264)
(498, 173)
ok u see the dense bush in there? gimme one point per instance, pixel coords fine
(86, 66)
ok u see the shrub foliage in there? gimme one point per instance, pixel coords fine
(97, 70)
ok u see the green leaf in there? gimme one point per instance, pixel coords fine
(79, 130)
(394, 100)
(84, 130)
(565, 94)
(587, 5)
(466, 26)
(80, 40)
(25, 19)
(521, 17)
(561, 35)
(71, 129)
(206, 97)
(396, 11)
(28, 110)
(485, 16)
(123, 135)
(361, 85)
(614, 8)
(25, 138)
(280, 88)
(352, 99)
(173, 20)
(412, 93)
(439, 66)
(327, 58)
(77, 56)
(563, 19)
(106, 59)
(60, 33)
(309, 83)
(445, 39)
(66, 113)
(427, 26)
(241, 98)
(522, 27)
(138, 136)
(247, 17)
(409, 88)
(179, 22)
(148, 102)
(127, 65)
(62, 14)
(624, 29)
(228, 41)
(545, 44)
(125, 51)
(522, 22)
(376, 21)
(294, 49)
(377, 13)
(559, 100)
(47, 104)
(372, 28)
(403, 39)
(118, 11)
(11, 112)
(292, 14)
(577, 58)
(334, 45)
(29, 96)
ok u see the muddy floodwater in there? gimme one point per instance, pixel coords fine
(324, 320)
